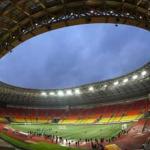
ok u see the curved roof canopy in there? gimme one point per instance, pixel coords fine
(133, 85)
(21, 20)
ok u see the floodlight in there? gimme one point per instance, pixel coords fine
(134, 77)
(116, 83)
(140, 17)
(69, 92)
(77, 91)
(52, 93)
(60, 93)
(92, 11)
(44, 94)
(91, 88)
(105, 85)
(111, 11)
(125, 80)
(143, 73)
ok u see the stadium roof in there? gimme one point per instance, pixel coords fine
(132, 85)
(21, 20)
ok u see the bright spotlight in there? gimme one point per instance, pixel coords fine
(69, 92)
(143, 73)
(60, 93)
(92, 11)
(44, 94)
(134, 77)
(52, 93)
(105, 86)
(111, 11)
(91, 88)
(77, 91)
(125, 80)
(116, 83)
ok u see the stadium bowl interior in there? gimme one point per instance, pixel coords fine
(112, 113)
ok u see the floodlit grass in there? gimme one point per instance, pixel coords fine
(73, 131)
(37, 146)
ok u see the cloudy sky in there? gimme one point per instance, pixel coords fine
(76, 55)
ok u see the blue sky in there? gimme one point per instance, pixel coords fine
(76, 55)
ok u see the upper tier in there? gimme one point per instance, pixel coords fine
(130, 86)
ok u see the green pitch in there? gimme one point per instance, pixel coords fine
(37, 146)
(72, 131)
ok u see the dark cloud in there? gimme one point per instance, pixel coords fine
(76, 55)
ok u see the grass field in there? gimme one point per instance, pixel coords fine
(37, 146)
(73, 131)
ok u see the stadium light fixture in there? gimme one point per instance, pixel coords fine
(111, 11)
(60, 93)
(92, 11)
(105, 86)
(69, 92)
(143, 73)
(52, 93)
(125, 80)
(116, 83)
(134, 77)
(44, 94)
(91, 88)
(77, 91)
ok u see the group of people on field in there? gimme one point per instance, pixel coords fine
(95, 144)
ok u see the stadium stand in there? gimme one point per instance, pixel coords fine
(21, 20)
(131, 111)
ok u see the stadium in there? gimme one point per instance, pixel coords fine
(112, 114)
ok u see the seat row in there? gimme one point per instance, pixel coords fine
(113, 113)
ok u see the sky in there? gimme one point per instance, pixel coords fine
(76, 55)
